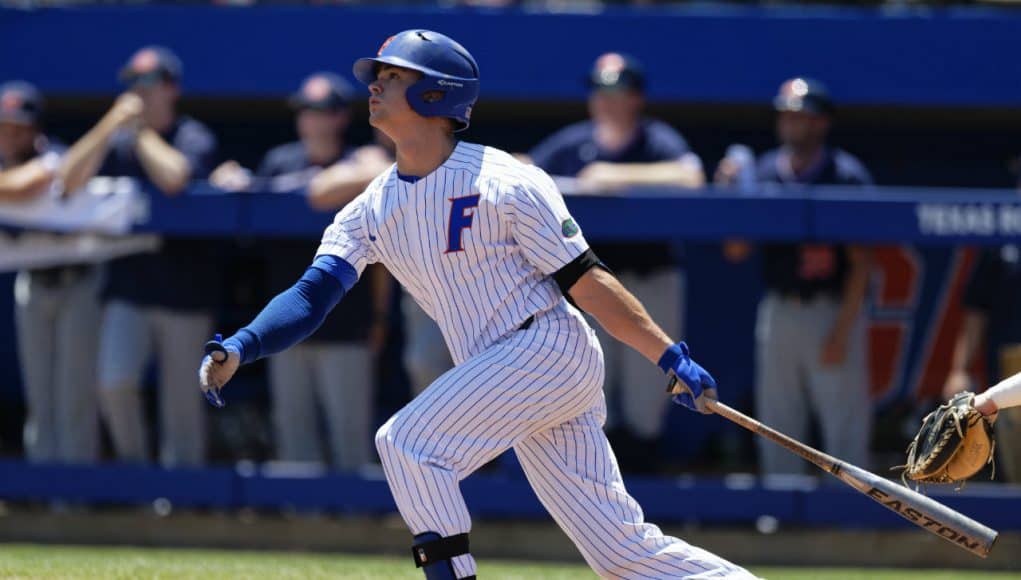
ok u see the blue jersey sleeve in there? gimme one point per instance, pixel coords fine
(558, 154)
(270, 165)
(295, 313)
(665, 143)
(851, 170)
(199, 147)
(543, 154)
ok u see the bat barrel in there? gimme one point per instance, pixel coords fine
(920, 510)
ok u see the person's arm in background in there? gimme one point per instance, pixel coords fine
(855, 287)
(676, 165)
(685, 171)
(335, 186)
(26, 181)
(83, 159)
(978, 300)
(167, 167)
(965, 348)
(172, 166)
(231, 176)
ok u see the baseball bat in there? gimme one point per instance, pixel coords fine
(918, 509)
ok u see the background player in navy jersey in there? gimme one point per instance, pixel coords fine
(620, 147)
(331, 372)
(486, 246)
(810, 332)
(151, 307)
(57, 308)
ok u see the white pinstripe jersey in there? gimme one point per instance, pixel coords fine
(474, 242)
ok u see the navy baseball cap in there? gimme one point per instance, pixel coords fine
(20, 102)
(614, 70)
(803, 94)
(151, 65)
(322, 91)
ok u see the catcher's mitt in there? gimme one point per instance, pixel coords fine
(955, 441)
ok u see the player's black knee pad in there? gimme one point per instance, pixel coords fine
(433, 554)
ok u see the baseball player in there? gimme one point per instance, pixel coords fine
(810, 331)
(57, 308)
(621, 147)
(150, 306)
(486, 246)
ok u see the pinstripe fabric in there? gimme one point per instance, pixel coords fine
(538, 390)
(499, 279)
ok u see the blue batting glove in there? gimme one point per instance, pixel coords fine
(690, 384)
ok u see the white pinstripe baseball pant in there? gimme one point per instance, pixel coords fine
(539, 391)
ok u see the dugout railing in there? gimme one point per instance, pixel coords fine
(923, 217)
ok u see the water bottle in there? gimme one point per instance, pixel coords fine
(743, 158)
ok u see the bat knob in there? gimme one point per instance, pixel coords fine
(216, 346)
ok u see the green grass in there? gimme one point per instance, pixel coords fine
(33, 561)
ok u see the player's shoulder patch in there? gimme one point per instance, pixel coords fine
(569, 228)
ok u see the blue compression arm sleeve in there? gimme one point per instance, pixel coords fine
(295, 313)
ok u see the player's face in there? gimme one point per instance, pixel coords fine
(316, 125)
(618, 106)
(388, 103)
(801, 129)
(157, 97)
(17, 141)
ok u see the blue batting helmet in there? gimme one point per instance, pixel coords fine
(446, 67)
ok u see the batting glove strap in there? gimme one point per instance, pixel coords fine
(672, 355)
(688, 380)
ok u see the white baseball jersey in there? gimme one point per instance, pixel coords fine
(475, 243)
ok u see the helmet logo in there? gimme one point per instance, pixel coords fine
(383, 46)
(446, 83)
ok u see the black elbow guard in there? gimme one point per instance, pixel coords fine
(575, 269)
